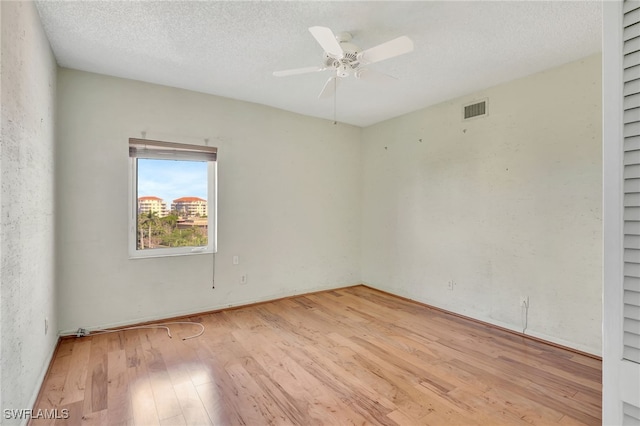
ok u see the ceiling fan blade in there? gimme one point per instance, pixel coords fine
(325, 37)
(329, 88)
(374, 76)
(296, 71)
(396, 47)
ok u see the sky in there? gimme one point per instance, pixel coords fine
(168, 179)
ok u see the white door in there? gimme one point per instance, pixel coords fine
(621, 207)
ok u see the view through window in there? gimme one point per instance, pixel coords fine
(172, 208)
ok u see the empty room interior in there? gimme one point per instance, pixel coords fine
(403, 213)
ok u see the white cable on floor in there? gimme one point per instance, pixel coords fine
(151, 326)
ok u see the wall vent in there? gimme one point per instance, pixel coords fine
(474, 110)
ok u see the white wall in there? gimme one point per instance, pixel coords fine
(504, 206)
(288, 193)
(27, 293)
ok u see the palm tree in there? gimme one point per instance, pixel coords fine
(146, 219)
(168, 224)
(171, 220)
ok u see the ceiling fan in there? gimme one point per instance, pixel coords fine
(345, 58)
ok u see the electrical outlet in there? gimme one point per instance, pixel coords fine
(450, 285)
(46, 325)
(236, 260)
(243, 279)
(524, 300)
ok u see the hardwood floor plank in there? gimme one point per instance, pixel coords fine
(193, 409)
(76, 380)
(276, 393)
(95, 418)
(53, 392)
(337, 380)
(74, 413)
(220, 394)
(527, 390)
(399, 418)
(96, 386)
(176, 421)
(309, 392)
(569, 421)
(166, 402)
(118, 396)
(348, 356)
(213, 402)
(65, 348)
(489, 410)
(142, 400)
(337, 370)
(238, 351)
(548, 378)
(197, 371)
(387, 379)
(255, 401)
(115, 341)
(525, 408)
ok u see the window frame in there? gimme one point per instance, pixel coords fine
(170, 151)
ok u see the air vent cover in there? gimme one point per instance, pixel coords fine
(476, 109)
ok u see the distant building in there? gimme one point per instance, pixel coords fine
(190, 206)
(152, 204)
(202, 223)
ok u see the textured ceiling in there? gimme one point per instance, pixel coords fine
(231, 48)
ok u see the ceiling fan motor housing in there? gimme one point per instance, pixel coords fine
(350, 51)
(347, 63)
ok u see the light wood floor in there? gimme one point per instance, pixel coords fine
(350, 356)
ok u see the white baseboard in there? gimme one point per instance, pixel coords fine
(41, 377)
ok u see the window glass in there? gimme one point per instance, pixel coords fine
(172, 206)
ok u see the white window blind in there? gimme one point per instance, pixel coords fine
(143, 148)
(631, 176)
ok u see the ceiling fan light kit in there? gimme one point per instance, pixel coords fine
(345, 58)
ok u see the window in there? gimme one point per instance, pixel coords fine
(173, 199)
